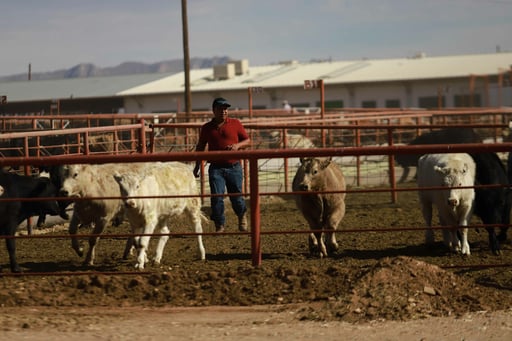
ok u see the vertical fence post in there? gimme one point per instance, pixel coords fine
(142, 137)
(249, 94)
(358, 158)
(285, 160)
(391, 161)
(255, 213)
(322, 108)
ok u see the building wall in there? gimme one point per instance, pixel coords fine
(408, 94)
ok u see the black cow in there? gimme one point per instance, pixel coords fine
(12, 213)
(56, 178)
(492, 205)
(442, 136)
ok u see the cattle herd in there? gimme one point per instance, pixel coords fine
(150, 195)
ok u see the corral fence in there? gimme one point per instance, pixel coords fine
(253, 156)
(151, 144)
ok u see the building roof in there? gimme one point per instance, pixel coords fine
(91, 87)
(291, 74)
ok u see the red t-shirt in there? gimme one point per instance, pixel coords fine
(219, 138)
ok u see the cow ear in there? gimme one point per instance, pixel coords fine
(117, 177)
(325, 163)
(302, 160)
(439, 169)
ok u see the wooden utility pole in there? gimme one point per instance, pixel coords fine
(186, 60)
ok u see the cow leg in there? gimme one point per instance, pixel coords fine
(161, 245)
(493, 241)
(317, 244)
(463, 223)
(323, 248)
(332, 244)
(448, 239)
(451, 239)
(334, 221)
(62, 209)
(330, 238)
(198, 228)
(316, 240)
(72, 229)
(130, 243)
(313, 243)
(93, 240)
(143, 243)
(405, 175)
(10, 243)
(465, 245)
(41, 220)
(142, 258)
(426, 210)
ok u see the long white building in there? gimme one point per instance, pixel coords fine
(480, 80)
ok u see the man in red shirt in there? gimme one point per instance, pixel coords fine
(224, 133)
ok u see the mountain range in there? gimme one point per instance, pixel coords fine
(127, 68)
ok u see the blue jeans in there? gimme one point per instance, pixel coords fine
(228, 177)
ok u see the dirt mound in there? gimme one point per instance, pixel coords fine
(403, 288)
(399, 288)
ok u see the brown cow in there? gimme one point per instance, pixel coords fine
(323, 211)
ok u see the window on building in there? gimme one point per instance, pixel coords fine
(466, 101)
(331, 104)
(431, 102)
(369, 104)
(392, 103)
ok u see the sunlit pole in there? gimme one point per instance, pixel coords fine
(186, 59)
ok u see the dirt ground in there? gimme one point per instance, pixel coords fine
(379, 285)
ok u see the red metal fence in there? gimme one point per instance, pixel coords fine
(144, 135)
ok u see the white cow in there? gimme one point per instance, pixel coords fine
(147, 214)
(454, 204)
(93, 182)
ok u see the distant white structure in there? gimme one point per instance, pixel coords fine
(414, 82)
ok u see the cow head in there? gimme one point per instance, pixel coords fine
(454, 176)
(128, 186)
(308, 174)
(72, 178)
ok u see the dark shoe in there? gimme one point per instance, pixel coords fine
(242, 222)
(219, 228)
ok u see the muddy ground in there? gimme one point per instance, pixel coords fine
(374, 276)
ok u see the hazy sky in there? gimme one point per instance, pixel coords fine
(58, 34)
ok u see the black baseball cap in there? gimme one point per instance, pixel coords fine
(219, 101)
